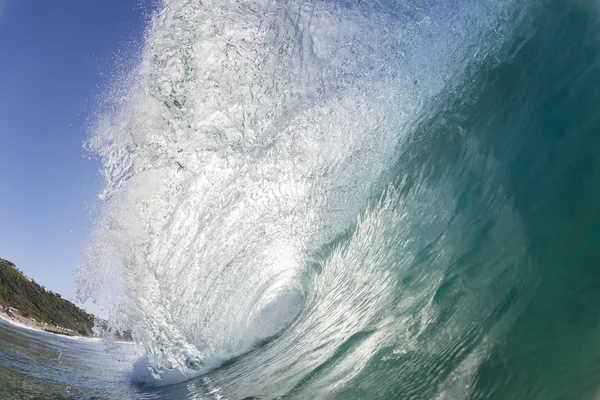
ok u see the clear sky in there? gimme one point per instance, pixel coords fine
(56, 58)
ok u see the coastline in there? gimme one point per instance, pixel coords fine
(28, 323)
(14, 322)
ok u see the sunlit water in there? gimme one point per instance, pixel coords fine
(348, 200)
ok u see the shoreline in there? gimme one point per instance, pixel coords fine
(27, 323)
(37, 327)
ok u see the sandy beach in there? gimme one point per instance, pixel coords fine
(17, 322)
(29, 323)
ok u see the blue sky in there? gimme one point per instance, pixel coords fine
(57, 57)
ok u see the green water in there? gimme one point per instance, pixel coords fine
(536, 119)
(540, 118)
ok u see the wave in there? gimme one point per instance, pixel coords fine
(254, 203)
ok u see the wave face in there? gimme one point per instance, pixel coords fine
(303, 198)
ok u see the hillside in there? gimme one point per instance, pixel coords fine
(34, 301)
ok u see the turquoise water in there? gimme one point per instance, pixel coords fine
(392, 202)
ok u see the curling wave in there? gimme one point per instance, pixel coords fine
(256, 210)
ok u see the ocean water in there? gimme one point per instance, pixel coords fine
(344, 200)
(40, 365)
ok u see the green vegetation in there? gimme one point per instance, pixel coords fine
(36, 302)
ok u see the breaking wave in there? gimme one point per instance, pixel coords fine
(277, 207)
